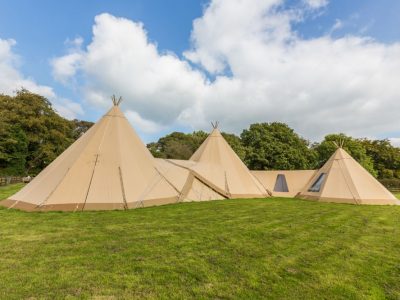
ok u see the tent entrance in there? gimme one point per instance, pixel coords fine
(281, 184)
(316, 187)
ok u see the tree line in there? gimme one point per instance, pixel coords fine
(32, 134)
(276, 146)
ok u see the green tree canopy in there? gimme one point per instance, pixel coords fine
(80, 127)
(13, 149)
(276, 146)
(385, 157)
(30, 119)
(177, 145)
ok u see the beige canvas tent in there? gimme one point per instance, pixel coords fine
(191, 188)
(214, 172)
(342, 179)
(107, 168)
(217, 165)
(284, 183)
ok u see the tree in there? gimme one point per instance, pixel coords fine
(385, 157)
(80, 127)
(13, 149)
(47, 134)
(353, 146)
(276, 146)
(32, 135)
(177, 145)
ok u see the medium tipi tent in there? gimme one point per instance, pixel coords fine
(343, 179)
(107, 168)
(218, 166)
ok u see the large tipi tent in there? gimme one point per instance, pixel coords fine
(218, 166)
(343, 179)
(107, 168)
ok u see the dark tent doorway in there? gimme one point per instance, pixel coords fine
(281, 184)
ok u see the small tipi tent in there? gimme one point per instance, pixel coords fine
(107, 168)
(343, 179)
(217, 165)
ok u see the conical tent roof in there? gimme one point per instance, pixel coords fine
(343, 179)
(219, 167)
(107, 168)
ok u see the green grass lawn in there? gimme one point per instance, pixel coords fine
(8, 190)
(259, 248)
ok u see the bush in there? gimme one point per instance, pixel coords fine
(391, 184)
(387, 174)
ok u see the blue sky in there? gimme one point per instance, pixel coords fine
(41, 29)
(378, 19)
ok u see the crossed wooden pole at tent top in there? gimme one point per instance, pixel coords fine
(339, 144)
(116, 101)
(215, 124)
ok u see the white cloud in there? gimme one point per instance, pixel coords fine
(338, 25)
(318, 86)
(316, 3)
(143, 125)
(225, 30)
(11, 80)
(120, 60)
(10, 77)
(68, 109)
(75, 43)
(64, 67)
(395, 141)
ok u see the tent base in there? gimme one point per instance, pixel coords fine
(248, 196)
(9, 203)
(284, 194)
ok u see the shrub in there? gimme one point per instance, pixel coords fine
(391, 184)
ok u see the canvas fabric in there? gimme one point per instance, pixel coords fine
(107, 168)
(295, 179)
(346, 181)
(218, 165)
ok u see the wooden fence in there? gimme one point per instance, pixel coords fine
(10, 180)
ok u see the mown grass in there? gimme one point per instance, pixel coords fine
(8, 190)
(259, 248)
